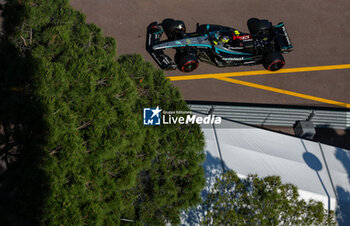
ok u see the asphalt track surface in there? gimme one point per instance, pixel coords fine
(319, 30)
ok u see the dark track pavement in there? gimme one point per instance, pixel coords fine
(319, 30)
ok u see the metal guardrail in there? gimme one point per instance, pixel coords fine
(277, 116)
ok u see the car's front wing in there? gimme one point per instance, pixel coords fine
(154, 32)
(283, 38)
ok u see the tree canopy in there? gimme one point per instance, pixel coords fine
(260, 201)
(71, 131)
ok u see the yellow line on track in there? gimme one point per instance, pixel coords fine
(286, 92)
(250, 73)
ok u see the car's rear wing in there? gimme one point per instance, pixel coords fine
(154, 33)
(283, 38)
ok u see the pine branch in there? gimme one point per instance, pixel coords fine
(30, 36)
(55, 150)
(86, 124)
(102, 82)
(24, 41)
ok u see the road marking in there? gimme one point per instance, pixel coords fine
(264, 72)
(286, 92)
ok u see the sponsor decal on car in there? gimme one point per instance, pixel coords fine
(286, 35)
(242, 37)
(233, 58)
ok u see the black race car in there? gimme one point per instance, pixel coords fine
(219, 45)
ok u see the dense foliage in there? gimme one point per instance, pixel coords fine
(71, 126)
(261, 201)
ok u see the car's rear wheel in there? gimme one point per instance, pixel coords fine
(256, 26)
(273, 61)
(173, 28)
(186, 62)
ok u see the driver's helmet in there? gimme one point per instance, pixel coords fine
(222, 38)
(225, 38)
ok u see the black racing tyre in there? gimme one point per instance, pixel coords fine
(186, 62)
(173, 27)
(255, 25)
(273, 61)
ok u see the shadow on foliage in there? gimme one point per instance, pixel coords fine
(343, 196)
(343, 205)
(213, 168)
(23, 183)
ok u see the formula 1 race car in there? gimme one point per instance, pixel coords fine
(219, 45)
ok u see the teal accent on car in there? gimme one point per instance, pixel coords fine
(204, 45)
(233, 52)
(175, 46)
(158, 32)
(290, 46)
(279, 25)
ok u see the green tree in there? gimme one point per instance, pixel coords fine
(256, 201)
(74, 115)
(171, 180)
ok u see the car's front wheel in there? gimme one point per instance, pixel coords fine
(273, 61)
(186, 62)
